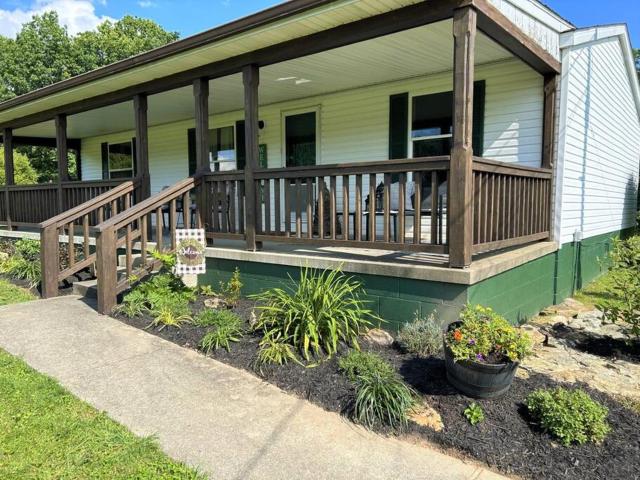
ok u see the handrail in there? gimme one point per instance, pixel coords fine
(495, 166)
(148, 205)
(93, 204)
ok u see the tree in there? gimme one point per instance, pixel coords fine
(636, 56)
(43, 53)
(24, 173)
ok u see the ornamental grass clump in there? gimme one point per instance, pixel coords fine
(314, 314)
(484, 336)
(571, 416)
(24, 262)
(225, 327)
(422, 336)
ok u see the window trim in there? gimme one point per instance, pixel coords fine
(283, 130)
(117, 170)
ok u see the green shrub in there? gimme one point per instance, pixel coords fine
(316, 313)
(474, 414)
(383, 399)
(422, 337)
(357, 363)
(134, 304)
(275, 352)
(571, 416)
(24, 263)
(625, 285)
(484, 334)
(226, 327)
(231, 290)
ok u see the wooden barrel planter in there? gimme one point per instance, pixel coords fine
(476, 379)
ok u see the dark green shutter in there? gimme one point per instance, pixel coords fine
(398, 125)
(479, 89)
(104, 148)
(134, 158)
(241, 148)
(191, 149)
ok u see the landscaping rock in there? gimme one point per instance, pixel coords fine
(538, 339)
(380, 337)
(215, 303)
(591, 321)
(426, 416)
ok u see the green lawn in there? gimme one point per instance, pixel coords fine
(598, 291)
(9, 293)
(47, 433)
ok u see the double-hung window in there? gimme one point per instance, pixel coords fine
(222, 150)
(432, 124)
(120, 160)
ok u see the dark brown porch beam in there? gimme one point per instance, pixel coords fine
(61, 148)
(140, 107)
(21, 141)
(495, 25)
(460, 213)
(420, 14)
(251, 81)
(201, 97)
(549, 130)
(7, 141)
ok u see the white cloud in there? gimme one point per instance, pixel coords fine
(147, 4)
(77, 15)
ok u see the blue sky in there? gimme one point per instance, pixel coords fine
(192, 16)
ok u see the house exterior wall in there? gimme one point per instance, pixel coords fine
(599, 144)
(354, 124)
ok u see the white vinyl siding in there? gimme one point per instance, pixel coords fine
(354, 124)
(600, 143)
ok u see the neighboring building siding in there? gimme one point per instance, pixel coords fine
(600, 142)
(354, 124)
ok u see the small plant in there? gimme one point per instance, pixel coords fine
(474, 414)
(486, 337)
(422, 337)
(316, 313)
(383, 399)
(571, 416)
(275, 352)
(206, 290)
(227, 327)
(357, 363)
(624, 307)
(231, 290)
(168, 315)
(167, 259)
(24, 263)
(133, 305)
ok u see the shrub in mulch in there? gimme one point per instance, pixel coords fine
(508, 440)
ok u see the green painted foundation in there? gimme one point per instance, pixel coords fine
(517, 294)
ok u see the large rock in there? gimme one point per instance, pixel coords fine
(426, 416)
(538, 339)
(377, 336)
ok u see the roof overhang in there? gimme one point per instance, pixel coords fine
(290, 30)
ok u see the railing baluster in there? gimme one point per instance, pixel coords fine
(159, 229)
(258, 209)
(321, 232)
(309, 207)
(357, 221)
(402, 196)
(386, 207)
(129, 252)
(371, 218)
(267, 206)
(71, 246)
(417, 208)
(232, 207)
(85, 241)
(334, 216)
(173, 220)
(276, 198)
(143, 239)
(298, 208)
(186, 210)
(215, 206)
(434, 207)
(345, 207)
(287, 208)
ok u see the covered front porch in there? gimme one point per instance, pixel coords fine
(427, 130)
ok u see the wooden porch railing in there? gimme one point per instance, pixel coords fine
(30, 205)
(94, 210)
(138, 224)
(512, 205)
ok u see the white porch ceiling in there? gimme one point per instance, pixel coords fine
(420, 51)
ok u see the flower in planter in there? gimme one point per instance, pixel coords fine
(491, 338)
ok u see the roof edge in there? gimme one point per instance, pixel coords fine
(272, 14)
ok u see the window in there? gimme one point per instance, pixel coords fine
(432, 124)
(300, 132)
(222, 150)
(120, 160)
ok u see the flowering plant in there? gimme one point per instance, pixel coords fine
(484, 336)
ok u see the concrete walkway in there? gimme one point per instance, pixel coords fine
(222, 420)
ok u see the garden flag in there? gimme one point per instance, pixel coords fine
(190, 249)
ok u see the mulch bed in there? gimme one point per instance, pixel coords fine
(506, 441)
(600, 345)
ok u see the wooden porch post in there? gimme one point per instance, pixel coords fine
(140, 106)
(460, 206)
(7, 139)
(62, 157)
(201, 97)
(106, 269)
(549, 140)
(251, 80)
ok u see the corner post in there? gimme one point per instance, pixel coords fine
(140, 106)
(460, 215)
(251, 80)
(62, 157)
(7, 139)
(201, 97)
(49, 258)
(106, 269)
(549, 141)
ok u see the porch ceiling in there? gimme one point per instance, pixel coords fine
(411, 53)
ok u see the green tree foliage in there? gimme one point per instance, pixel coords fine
(43, 53)
(24, 173)
(636, 56)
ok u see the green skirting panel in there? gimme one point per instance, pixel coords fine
(517, 294)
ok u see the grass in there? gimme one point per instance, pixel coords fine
(598, 291)
(10, 293)
(45, 432)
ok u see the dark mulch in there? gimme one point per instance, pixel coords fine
(601, 345)
(507, 440)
